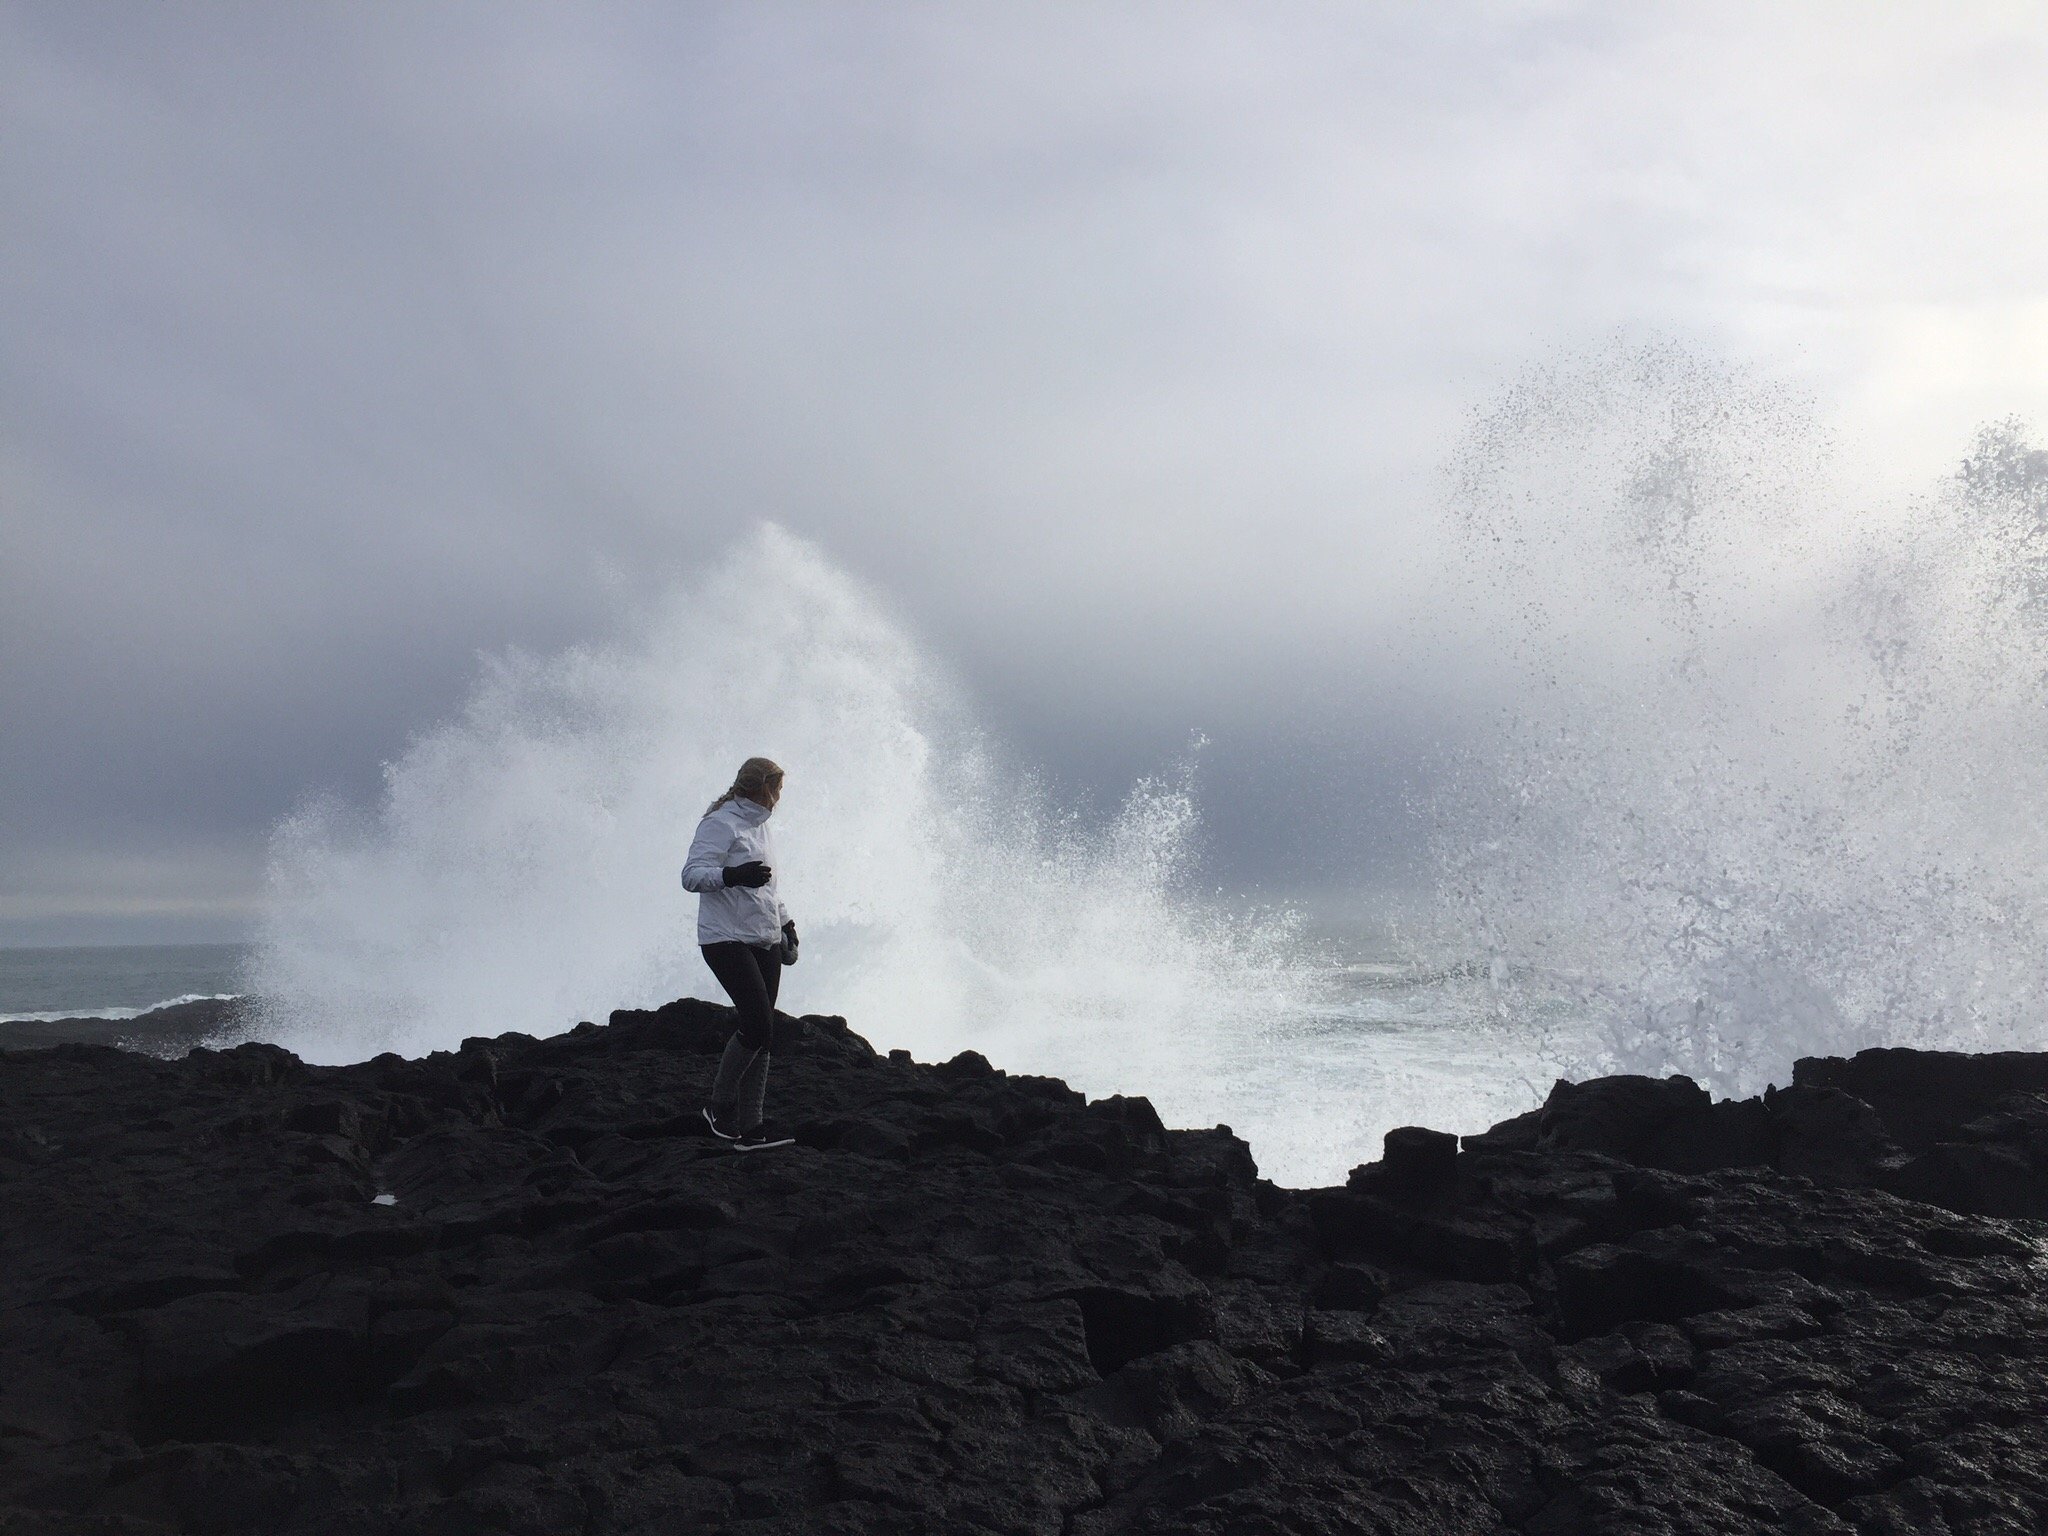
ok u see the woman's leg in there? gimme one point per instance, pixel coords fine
(739, 971)
(733, 1096)
(753, 1079)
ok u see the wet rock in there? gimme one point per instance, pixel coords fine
(1174, 1392)
(1350, 1288)
(222, 1365)
(1519, 1134)
(1043, 1346)
(1621, 1116)
(1418, 1164)
(1829, 1136)
(1925, 1097)
(1261, 1324)
(1638, 1357)
(1332, 1336)
(1127, 1323)
(1996, 1165)
(973, 1301)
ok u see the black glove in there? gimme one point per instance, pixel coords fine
(789, 943)
(752, 873)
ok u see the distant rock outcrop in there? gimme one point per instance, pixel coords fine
(171, 1030)
(974, 1302)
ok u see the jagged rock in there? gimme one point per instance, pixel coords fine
(1638, 1356)
(1924, 1097)
(1418, 1163)
(1621, 1116)
(1829, 1136)
(1997, 1165)
(1350, 1288)
(517, 1287)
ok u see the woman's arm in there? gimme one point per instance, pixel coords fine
(704, 866)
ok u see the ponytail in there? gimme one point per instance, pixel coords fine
(755, 774)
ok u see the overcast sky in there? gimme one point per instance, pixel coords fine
(1118, 346)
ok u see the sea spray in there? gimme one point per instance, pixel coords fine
(1769, 782)
(520, 870)
(1772, 779)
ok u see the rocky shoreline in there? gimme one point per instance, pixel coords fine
(517, 1288)
(170, 1030)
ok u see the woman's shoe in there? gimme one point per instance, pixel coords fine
(721, 1124)
(763, 1136)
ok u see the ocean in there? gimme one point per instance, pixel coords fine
(114, 981)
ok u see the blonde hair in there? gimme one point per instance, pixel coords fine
(755, 774)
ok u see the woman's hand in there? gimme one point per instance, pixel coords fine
(752, 874)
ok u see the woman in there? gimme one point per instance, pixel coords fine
(747, 937)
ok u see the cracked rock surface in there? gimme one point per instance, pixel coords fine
(969, 1301)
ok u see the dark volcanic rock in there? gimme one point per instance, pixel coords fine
(974, 1302)
(171, 1030)
(1923, 1096)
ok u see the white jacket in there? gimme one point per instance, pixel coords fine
(735, 833)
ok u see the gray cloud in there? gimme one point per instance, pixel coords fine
(1117, 345)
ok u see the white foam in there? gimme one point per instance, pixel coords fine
(1775, 782)
(521, 873)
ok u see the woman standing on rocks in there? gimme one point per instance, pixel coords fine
(747, 938)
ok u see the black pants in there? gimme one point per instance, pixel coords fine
(751, 975)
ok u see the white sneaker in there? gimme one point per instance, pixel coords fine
(721, 1127)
